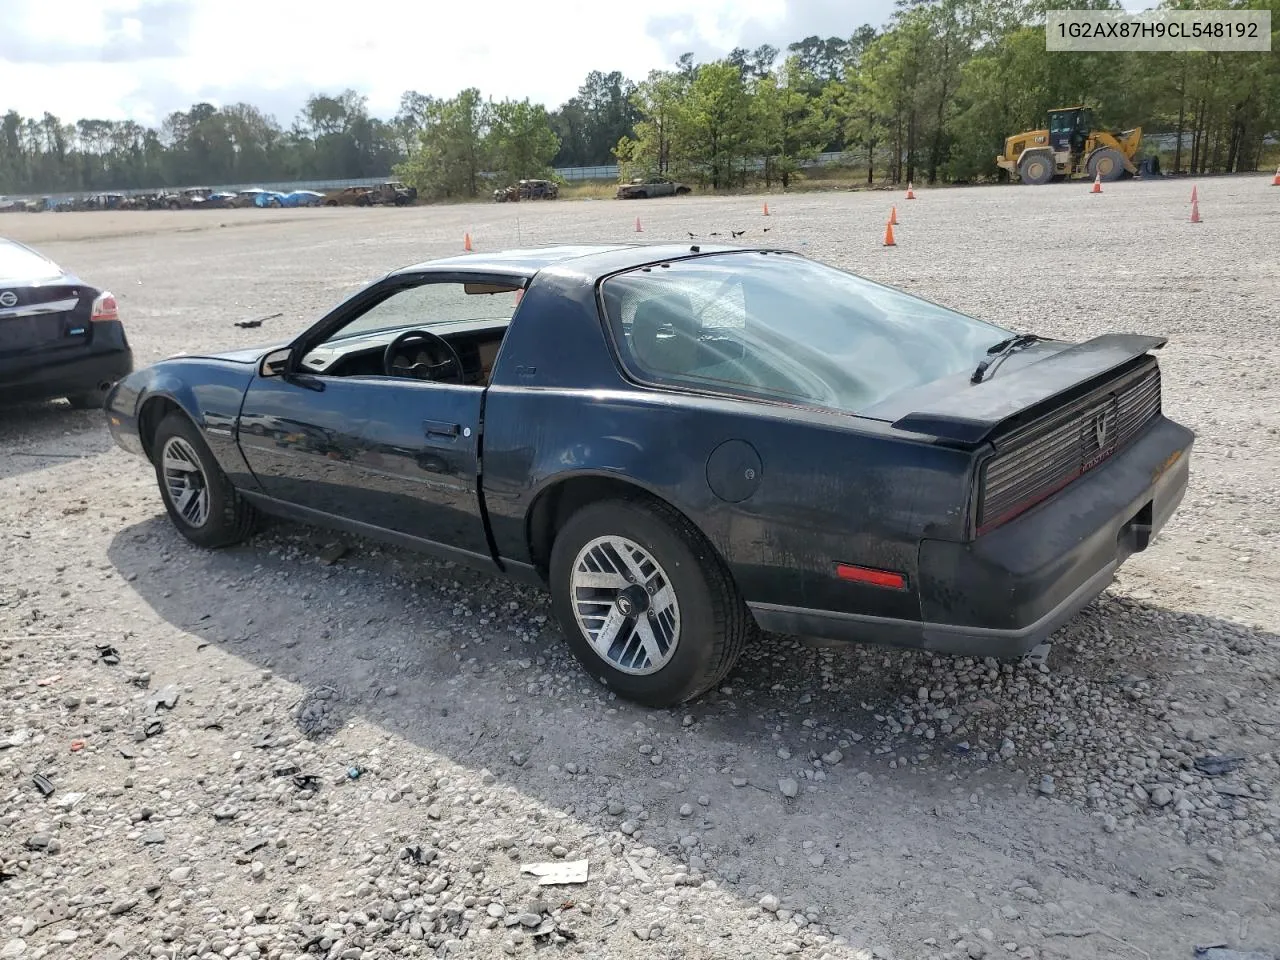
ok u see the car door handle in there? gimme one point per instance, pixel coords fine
(439, 428)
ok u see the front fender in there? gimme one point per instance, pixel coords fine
(209, 392)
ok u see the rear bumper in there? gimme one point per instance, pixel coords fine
(1004, 593)
(45, 376)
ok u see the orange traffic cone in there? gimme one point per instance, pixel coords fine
(1194, 195)
(893, 216)
(766, 210)
(1195, 211)
(888, 235)
(1276, 181)
(466, 242)
(638, 229)
(911, 195)
(1097, 183)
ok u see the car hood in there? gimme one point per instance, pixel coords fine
(249, 355)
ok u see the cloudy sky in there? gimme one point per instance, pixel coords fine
(140, 59)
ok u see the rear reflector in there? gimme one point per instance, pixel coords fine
(871, 576)
(104, 308)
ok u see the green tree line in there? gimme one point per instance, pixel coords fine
(929, 96)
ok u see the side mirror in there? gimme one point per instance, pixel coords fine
(274, 363)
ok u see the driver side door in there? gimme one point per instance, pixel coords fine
(366, 451)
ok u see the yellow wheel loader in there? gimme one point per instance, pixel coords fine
(1073, 149)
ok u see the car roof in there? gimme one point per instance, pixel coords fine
(589, 261)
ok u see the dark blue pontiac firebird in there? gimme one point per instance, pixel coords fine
(685, 444)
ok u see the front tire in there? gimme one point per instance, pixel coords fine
(1107, 163)
(89, 400)
(198, 495)
(1036, 169)
(647, 606)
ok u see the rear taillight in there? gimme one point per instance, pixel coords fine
(104, 308)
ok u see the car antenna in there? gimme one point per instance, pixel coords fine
(695, 249)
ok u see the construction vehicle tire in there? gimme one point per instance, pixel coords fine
(1107, 163)
(1036, 168)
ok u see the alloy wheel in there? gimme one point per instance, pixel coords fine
(625, 605)
(185, 481)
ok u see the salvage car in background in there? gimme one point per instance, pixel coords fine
(528, 190)
(248, 198)
(683, 443)
(59, 336)
(196, 198)
(29, 205)
(393, 193)
(301, 198)
(539, 190)
(642, 189)
(349, 197)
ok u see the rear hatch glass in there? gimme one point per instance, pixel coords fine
(19, 264)
(36, 311)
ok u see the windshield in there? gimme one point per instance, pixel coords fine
(20, 263)
(783, 327)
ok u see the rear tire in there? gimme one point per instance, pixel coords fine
(198, 495)
(664, 636)
(1036, 169)
(89, 400)
(1107, 163)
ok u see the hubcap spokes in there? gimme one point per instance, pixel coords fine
(625, 605)
(185, 481)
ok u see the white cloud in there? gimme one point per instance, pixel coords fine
(141, 59)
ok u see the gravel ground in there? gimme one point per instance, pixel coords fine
(313, 746)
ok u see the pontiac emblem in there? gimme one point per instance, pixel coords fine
(1100, 430)
(8, 299)
(1102, 437)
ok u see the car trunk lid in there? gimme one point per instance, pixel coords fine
(46, 316)
(1044, 424)
(958, 412)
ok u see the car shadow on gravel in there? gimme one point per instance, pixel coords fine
(343, 614)
(34, 436)
(812, 751)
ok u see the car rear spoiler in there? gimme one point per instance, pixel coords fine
(970, 416)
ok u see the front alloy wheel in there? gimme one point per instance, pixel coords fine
(185, 481)
(201, 500)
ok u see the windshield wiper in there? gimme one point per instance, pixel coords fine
(999, 351)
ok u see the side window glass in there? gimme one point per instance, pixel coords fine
(431, 304)
(357, 348)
